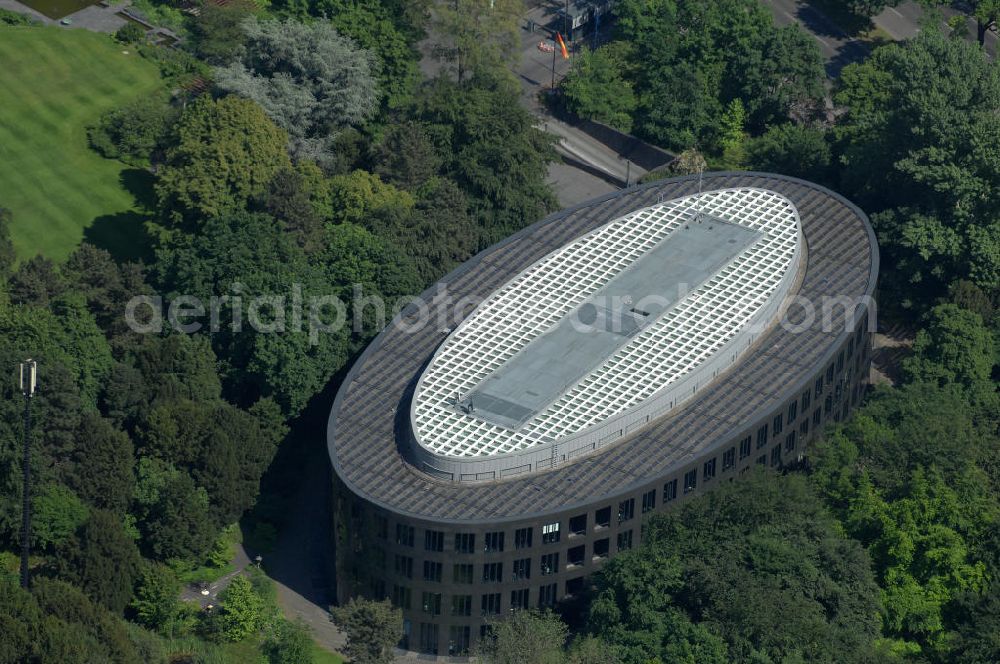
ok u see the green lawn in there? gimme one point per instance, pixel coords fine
(53, 83)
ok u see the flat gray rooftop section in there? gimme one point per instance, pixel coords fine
(587, 336)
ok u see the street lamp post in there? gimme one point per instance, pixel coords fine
(29, 375)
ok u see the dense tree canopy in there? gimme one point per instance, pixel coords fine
(917, 146)
(312, 81)
(696, 58)
(225, 152)
(714, 578)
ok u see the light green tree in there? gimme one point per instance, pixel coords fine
(373, 629)
(242, 609)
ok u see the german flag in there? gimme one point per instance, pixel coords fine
(562, 45)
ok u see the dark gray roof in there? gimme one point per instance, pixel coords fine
(368, 428)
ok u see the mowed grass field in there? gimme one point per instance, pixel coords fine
(53, 83)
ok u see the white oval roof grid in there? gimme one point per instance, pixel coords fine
(537, 299)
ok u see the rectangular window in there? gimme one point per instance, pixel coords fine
(547, 595)
(601, 548)
(522, 569)
(575, 556)
(762, 460)
(404, 535)
(461, 605)
(465, 543)
(806, 400)
(493, 542)
(850, 347)
(776, 456)
(519, 599)
(777, 424)
(804, 427)
(817, 417)
(625, 540)
(669, 491)
(431, 603)
(829, 374)
(729, 459)
(463, 573)
(762, 437)
(401, 597)
(578, 525)
(626, 510)
(840, 361)
(522, 538)
(828, 405)
(492, 572)
(649, 501)
(745, 448)
(690, 481)
(432, 571)
(550, 533)
(819, 387)
(381, 527)
(428, 638)
(793, 411)
(708, 470)
(404, 566)
(602, 517)
(574, 586)
(790, 442)
(433, 540)
(491, 605)
(550, 564)
(458, 639)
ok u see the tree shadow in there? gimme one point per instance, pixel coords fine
(123, 234)
(139, 182)
(831, 19)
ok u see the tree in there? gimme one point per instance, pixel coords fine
(104, 634)
(290, 199)
(173, 513)
(130, 33)
(591, 650)
(105, 561)
(492, 150)
(476, 34)
(217, 33)
(713, 577)
(373, 629)
(380, 28)
(104, 462)
(312, 81)
(135, 131)
(915, 145)
(595, 87)
(978, 631)
(292, 366)
(36, 281)
(698, 56)
(405, 157)
(953, 347)
(225, 153)
(57, 513)
(791, 149)
(155, 603)
(242, 609)
(525, 636)
(289, 643)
